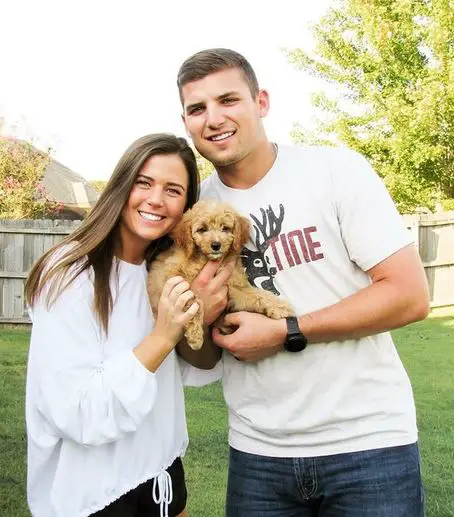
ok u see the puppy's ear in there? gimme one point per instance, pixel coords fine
(182, 235)
(242, 227)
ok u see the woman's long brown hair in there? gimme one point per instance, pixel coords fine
(94, 242)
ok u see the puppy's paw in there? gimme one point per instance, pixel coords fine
(279, 310)
(194, 337)
(195, 344)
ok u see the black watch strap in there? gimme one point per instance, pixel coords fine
(296, 341)
(293, 327)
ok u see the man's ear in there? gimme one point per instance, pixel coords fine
(182, 234)
(263, 102)
(242, 227)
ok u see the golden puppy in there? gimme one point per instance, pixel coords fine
(211, 231)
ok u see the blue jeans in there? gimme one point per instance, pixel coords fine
(375, 483)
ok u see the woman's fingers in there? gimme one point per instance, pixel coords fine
(170, 285)
(177, 290)
(177, 293)
(177, 307)
(183, 299)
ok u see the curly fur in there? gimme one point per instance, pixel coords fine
(211, 231)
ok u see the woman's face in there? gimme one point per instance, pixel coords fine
(154, 206)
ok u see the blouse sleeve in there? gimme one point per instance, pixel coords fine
(78, 391)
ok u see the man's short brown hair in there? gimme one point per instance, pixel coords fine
(210, 61)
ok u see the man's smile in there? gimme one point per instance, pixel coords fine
(221, 136)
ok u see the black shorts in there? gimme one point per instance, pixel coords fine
(139, 502)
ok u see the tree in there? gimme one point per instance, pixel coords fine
(205, 167)
(22, 195)
(98, 185)
(391, 63)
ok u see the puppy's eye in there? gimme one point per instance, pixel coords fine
(226, 228)
(202, 229)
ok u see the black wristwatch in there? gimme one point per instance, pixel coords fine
(296, 341)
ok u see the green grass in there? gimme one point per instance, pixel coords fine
(13, 357)
(427, 349)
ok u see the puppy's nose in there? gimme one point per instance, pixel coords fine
(215, 246)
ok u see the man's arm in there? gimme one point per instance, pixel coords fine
(397, 296)
(210, 287)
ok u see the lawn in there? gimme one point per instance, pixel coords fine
(427, 349)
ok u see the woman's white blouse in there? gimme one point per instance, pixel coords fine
(98, 422)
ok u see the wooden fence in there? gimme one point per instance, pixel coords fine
(23, 242)
(434, 236)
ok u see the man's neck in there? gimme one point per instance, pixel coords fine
(251, 169)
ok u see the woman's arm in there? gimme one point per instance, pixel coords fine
(80, 392)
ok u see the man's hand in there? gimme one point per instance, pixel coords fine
(255, 337)
(210, 287)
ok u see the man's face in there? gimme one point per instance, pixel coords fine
(222, 117)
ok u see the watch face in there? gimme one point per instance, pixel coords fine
(295, 344)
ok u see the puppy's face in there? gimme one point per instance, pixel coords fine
(213, 229)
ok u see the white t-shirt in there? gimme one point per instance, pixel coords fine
(99, 423)
(320, 218)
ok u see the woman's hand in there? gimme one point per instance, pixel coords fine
(174, 310)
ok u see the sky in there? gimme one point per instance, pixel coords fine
(88, 77)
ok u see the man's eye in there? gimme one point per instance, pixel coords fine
(196, 110)
(229, 100)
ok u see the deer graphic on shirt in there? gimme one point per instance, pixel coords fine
(256, 263)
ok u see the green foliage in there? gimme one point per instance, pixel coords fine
(98, 185)
(390, 63)
(22, 195)
(205, 167)
(447, 204)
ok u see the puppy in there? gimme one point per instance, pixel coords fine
(211, 231)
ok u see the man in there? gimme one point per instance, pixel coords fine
(321, 412)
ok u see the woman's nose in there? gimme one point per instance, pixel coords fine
(155, 197)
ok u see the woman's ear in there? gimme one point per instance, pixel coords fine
(182, 234)
(242, 227)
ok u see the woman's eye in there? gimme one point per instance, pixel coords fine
(174, 191)
(142, 183)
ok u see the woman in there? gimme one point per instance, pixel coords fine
(104, 406)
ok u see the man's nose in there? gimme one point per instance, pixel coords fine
(215, 116)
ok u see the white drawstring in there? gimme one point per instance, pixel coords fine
(163, 483)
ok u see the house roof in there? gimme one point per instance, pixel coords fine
(64, 185)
